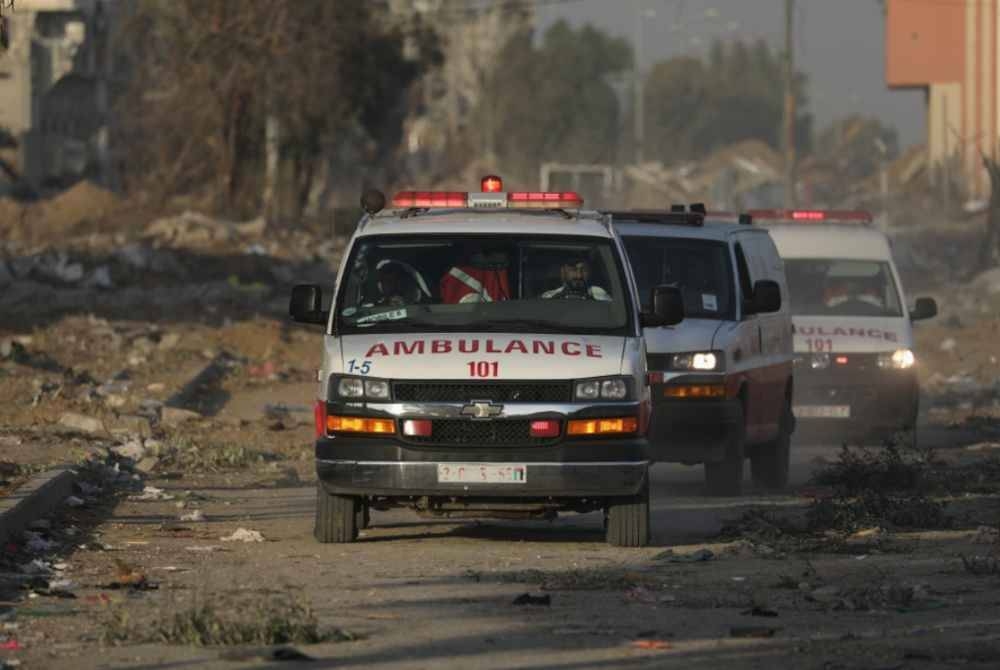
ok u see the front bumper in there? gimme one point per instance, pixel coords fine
(566, 467)
(542, 480)
(693, 430)
(880, 402)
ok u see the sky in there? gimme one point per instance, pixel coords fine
(839, 45)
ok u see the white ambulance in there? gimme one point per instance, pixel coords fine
(855, 376)
(721, 380)
(483, 356)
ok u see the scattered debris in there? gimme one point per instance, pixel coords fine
(756, 610)
(81, 423)
(981, 565)
(697, 556)
(175, 416)
(528, 599)
(194, 515)
(243, 535)
(151, 493)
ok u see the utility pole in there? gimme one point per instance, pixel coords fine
(639, 103)
(790, 111)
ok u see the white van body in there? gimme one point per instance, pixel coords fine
(855, 368)
(749, 414)
(459, 386)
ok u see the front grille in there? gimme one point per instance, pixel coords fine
(468, 432)
(559, 392)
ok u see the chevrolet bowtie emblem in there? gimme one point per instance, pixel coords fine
(482, 409)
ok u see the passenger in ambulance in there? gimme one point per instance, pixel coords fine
(853, 291)
(575, 275)
(481, 276)
(399, 284)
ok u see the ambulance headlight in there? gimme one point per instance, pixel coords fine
(359, 388)
(819, 361)
(377, 389)
(701, 361)
(901, 359)
(615, 388)
(351, 387)
(589, 390)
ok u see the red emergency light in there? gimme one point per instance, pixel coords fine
(544, 199)
(430, 199)
(812, 215)
(495, 199)
(491, 184)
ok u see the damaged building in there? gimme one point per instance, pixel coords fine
(54, 107)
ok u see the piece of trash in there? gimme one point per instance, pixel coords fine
(528, 599)
(752, 631)
(693, 557)
(243, 535)
(652, 645)
(60, 567)
(152, 493)
(757, 610)
(36, 544)
(10, 645)
(88, 489)
(127, 577)
(73, 501)
(288, 654)
(37, 567)
(194, 515)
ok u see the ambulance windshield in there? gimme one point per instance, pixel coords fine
(699, 268)
(841, 287)
(481, 283)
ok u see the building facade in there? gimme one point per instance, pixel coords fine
(949, 49)
(54, 90)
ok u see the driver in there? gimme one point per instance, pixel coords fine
(398, 284)
(575, 275)
(852, 289)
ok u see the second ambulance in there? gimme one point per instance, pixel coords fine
(855, 376)
(483, 356)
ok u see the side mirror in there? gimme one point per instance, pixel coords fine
(766, 297)
(926, 308)
(668, 307)
(306, 304)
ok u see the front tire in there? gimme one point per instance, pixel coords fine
(769, 462)
(725, 478)
(627, 522)
(336, 517)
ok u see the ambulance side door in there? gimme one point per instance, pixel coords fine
(747, 353)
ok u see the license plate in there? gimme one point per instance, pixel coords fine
(822, 411)
(481, 473)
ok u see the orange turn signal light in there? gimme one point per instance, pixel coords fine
(619, 426)
(359, 424)
(695, 391)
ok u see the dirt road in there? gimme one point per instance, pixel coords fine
(417, 593)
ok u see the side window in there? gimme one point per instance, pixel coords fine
(743, 273)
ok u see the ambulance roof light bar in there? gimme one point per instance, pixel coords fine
(812, 216)
(492, 196)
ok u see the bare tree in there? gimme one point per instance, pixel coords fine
(205, 77)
